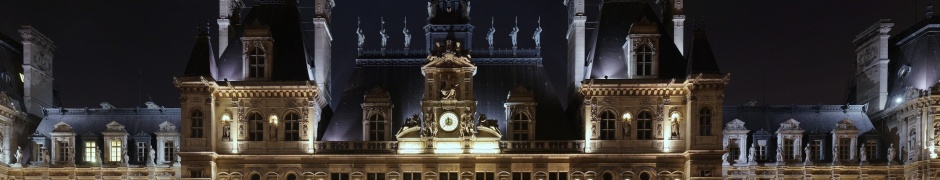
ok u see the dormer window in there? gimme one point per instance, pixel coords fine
(91, 151)
(117, 147)
(644, 60)
(257, 62)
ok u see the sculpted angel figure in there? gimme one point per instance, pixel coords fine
(891, 153)
(383, 34)
(751, 153)
(537, 36)
(362, 36)
(407, 34)
(806, 151)
(779, 154)
(515, 33)
(489, 35)
(863, 156)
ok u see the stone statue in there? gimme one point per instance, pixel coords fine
(151, 156)
(71, 154)
(407, 34)
(124, 156)
(835, 154)
(98, 153)
(675, 128)
(449, 94)
(806, 151)
(537, 36)
(724, 158)
(383, 34)
(515, 33)
(863, 156)
(779, 154)
(751, 154)
(489, 35)
(19, 155)
(44, 154)
(431, 9)
(467, 12)
(627, 129)
(362, 37)
(891, 153)
(226, 133)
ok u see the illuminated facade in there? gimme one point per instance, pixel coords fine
(643, 103)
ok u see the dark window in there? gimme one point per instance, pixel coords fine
(64, 150)
(255, 177)
(845, 148)
(871, 149)
(411, 176)
(608, 125)
(256, 62)
(448, 176)
(375, 176)
(196, 119)
(141, 151)
(644, 126)
(168, 151)
(645, 176)
(256, 129)
(292, 127)
(339, 176)
(608, 176)
(735, 151)
(644, 61)
(486, 176)
(558, 176)
(195, 173)
(520, 127)
(377, 127)
(815, 148)
(705, 122)
(293, 177)
(520, 176)
(788, 149)
(762, 152)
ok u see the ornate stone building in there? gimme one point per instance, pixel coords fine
(643, 103)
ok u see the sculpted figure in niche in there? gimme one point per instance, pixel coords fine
(19, 155)
(627, 128)
(675, 128)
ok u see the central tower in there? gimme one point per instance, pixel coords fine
(448, 19)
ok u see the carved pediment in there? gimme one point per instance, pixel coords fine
(62, 127)
(114, 126)
(790, 124)
(846, 124)
(735, 124)
(166, 126)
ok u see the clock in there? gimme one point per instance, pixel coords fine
(448, 121)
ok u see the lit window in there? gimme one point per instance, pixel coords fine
(520, 127)
(762, 152)
(256, 127)
(256, 62)
(608, 125)
(292, 127)
(644, 61)
(116, 147)
(196, 119)
(91, 152)
(845, 148)
(377, 127)
(168, 151)
(644, 125)
(705, 122)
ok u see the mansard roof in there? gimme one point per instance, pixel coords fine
(811, 118)
(701, 57)
(97, 120)
(914, 60)
(605, 48)
(290, 51)
(202, 59)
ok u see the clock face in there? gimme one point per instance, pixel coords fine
(448, 121)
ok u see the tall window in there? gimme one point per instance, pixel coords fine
(256, 62)
(644, 61)
(411, 176)
(294, 177)
(815, 149)
(705, 122)
(520, 176)
(116, 147)
(256, 177)
(168, 151)
(520, 127)
(292, 127)
(196, 119)
(845, 148)
(788, 148)
(64, 151)
(735, 151)
(487, 176)
(375, 176)
(558, 176)
(256, 127)
(339, 176)
(608, 125)
(91, 153)
(377, 127)
(871, 149)
(762, 152)
(447, 176)
(644, 125)
(141, 151)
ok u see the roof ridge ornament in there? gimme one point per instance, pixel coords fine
(406, 33)
(360, 35)
(515, 33)
(489, 35)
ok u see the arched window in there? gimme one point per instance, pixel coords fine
(645, 176)
(291, 177)
(644, 126)
(520, 126)
(195, 119)
(256, 62)
(608, 125)
(255, 127)
(644, 61)
(608, 176)
(377, 127)
(292, 127)
(705, 122)
(256, 177)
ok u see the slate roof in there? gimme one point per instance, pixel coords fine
(605, 48)
(915, 48)
(290, 54)
(202, 59)
(822, 118)
(701, 58)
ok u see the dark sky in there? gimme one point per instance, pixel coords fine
(795, 52)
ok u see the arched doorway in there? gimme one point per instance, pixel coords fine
(645, 176)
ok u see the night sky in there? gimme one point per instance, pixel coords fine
(125, 52)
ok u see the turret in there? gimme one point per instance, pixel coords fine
(575, 36)
(37, 70)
